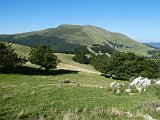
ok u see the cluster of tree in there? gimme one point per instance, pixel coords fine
(119, 65)
(40, 55)
(118, 45)
(126, 65)
(84, 56)
(115, 44)
(81, 55)
(98, 60)
(102, 48)
(81, 50)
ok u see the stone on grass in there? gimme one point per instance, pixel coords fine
(117, 91)
(148, 117)
(157, 82)
(141, 82)
(128, 114)
(65, 81)
(127, 91)
(112, 85)
(158, 109)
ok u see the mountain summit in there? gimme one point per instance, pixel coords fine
(66, 37)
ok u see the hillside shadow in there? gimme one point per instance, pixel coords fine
(25, 70)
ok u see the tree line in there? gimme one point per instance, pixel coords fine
(120, 65)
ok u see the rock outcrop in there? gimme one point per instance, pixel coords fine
(137, 85)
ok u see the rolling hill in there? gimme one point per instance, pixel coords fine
(154, 44)
(65, 38)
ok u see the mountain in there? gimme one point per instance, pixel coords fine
(154, 44)
(66, 37)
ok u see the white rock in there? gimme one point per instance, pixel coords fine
(127, 90)
(148, 117)
(118, 91)
(157, 82)
(117, 85)
(132, 94)
(139, 89)
(112, 85)
(158, 109)
(136, 81)
(128, 114)
(140, 83)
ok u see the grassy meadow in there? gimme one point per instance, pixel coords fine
(32, 95)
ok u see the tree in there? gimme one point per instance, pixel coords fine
(81, 50)
(43, 56)
(81, 55)
(81, 59)
(8, 58)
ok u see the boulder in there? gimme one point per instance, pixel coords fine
(158, 109)
(157, 82)
(112, 85)
(140, 83)
(117, 91)
(128, 114)
(148, 117)
(127, 91)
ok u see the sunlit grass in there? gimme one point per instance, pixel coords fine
(42, 96)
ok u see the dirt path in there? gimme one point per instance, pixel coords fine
(76, 68)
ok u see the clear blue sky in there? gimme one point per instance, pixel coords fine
(139, 19)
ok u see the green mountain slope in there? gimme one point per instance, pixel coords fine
(65, 38)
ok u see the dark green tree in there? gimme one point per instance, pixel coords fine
(126, 65)
(81, 50)
(81, 55)
(81, 59)
(8, 58)
(43, 56)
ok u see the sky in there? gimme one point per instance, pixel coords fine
(138, 19)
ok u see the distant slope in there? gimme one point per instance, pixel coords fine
(154, 44)
(65, 38)
(21, 50)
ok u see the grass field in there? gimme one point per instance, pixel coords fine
(35, 96)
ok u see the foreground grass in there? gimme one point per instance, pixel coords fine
(86, 97)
